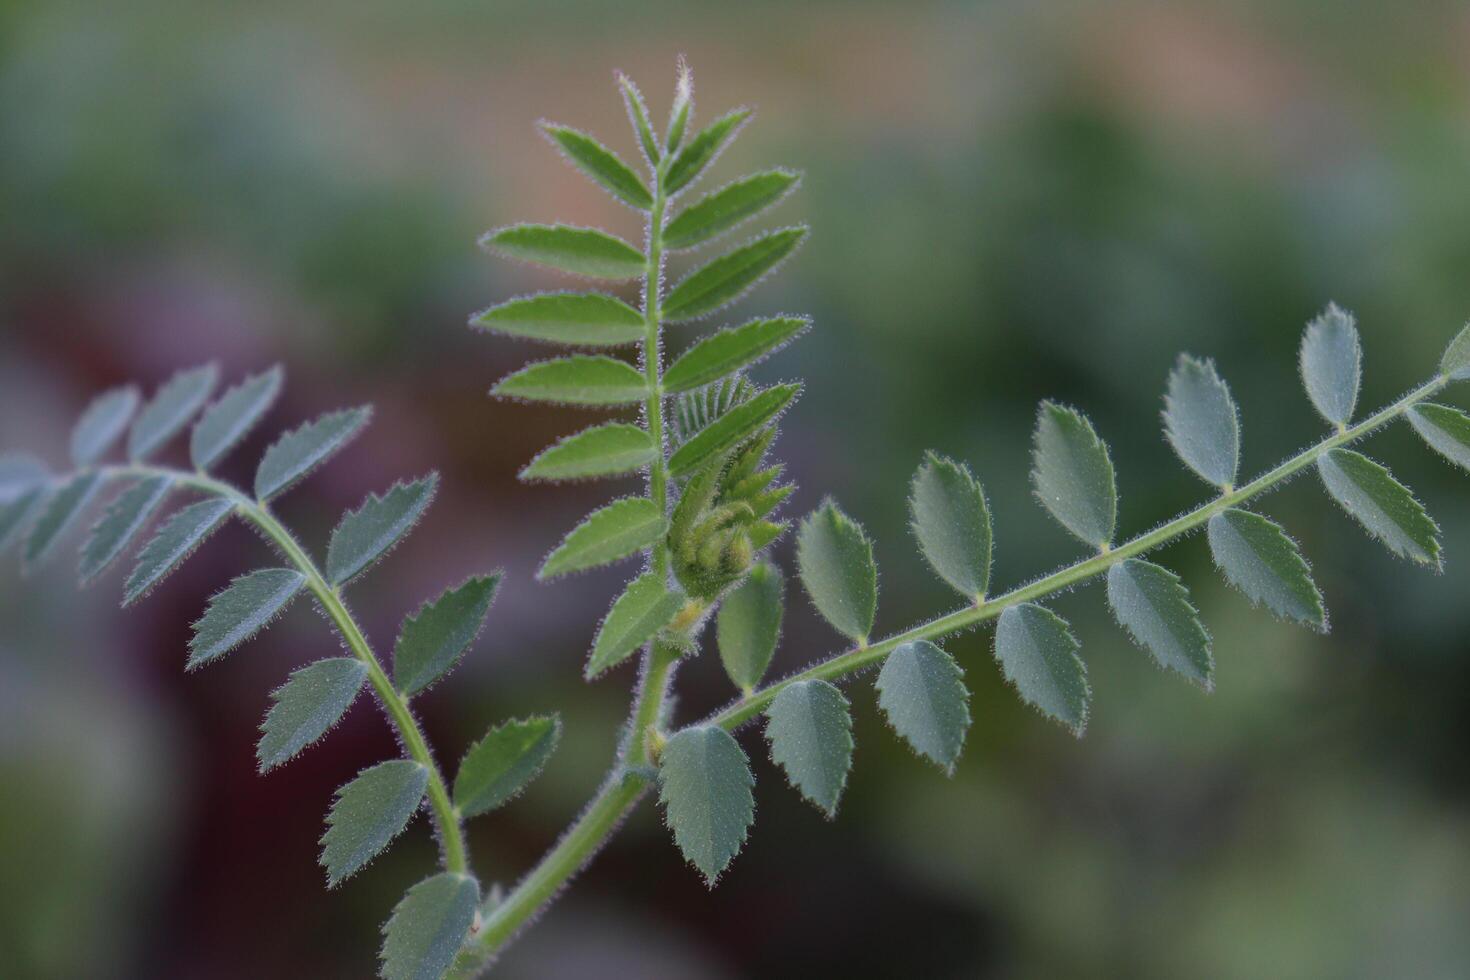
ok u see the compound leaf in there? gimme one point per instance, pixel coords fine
(504, 762)
(588, 319)
(303, 449)
(730, 350)
(174, 404)
(368, 813)
(1201, 422)
(432, 640)
(1073, 475)
(810, 731)
(1153, 605)
(731, 429)
(645, 607)
(705, 786)
(1384, 506)
(701, 151)
(174, 541)
(1331, 364)
(622, 528)
(835, 559)
(581, 251)
(748, 625)
(1259, 559)
(922, 692)
(102, 423)
(428, 927)
(1038, 654)
(60, 513)
(243, 609)
(1445, 429)
(601, 164)
(367, 534)
(728, 207)
(121, 522)
(725, 279)
(304, 708)
(228, 420)
(1455, 364)
(604, 450)
(951, 521)
(578, 380)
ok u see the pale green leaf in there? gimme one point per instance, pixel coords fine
(748, 625)
(835, 559)
(368, 813)
(580, 251)
(601, 164)
(303, 709)
(1153, 605)
(705, 786)
(23, 485)
(951, 521)
(1259, 559)
(1201, 422)
(1073, 475)
(638, 116)
(1384, 506)
(731, 429)
(504, 762)
(121, 522)
(577, 380)
(587, 319)
(428, 927)
(105, 419)
(432, 640)
(16, 513)
(922, 692)
(645, 607)
(604, 450)
(702, 149)
(228, 420)
(243, 609)
(1455, 364)
(367, 534)
(1038, 654)
(175, 540)
(1332, 364)
(694, 411)
(730, 350)
(728, 207)
(622, 528)
(1445, 429)
(681, 110)
(724, 280)
(59, 513)
(810, 731)
(303, 449)
(173, 405)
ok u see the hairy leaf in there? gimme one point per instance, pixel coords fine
(702, 149)
(835, 559)
(810, 731)
(748, 625)
(622, 528)
(228, 420)
(298, 452)
(367, 534)
(1331, 364)
(951, 521)
(304, 708)
(588, 319)
(428, 927)
(731, 429)
(731, 350)
(121, 522)
(694, 411)
(1384, 506)
(705, 786)
(638, 116)
(603, 450)
(728, 207)
(1153, 605)
(105, 419)
(1201, 422)
(576, 380)
(504, 762)
(60, 513)
(725, 279)
(1073, 475)
(368, 813)
(174, 404)
(645, 607)
(601, 164)
(243, 609)
(922, 691)
(1259, 559)
(174, 541)
(1455, 364)
(432, 640)
(1445, 429)
(681, 110)
(1039, 655)
(580, 251)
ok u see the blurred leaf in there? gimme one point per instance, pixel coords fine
(730, 429)
(1259, 559)
(718, 212)
(951, 521)
(603, 450)
(589, 319)
(748, 625)
(1153, 605)
(638, 116)
(1455, 364)
(1331, 364)
(59, 513)
(1384, 506)
(102, 423)
(1073, 475)
(701, 151)
(724, 280)
(601, 164)
(367, 534)
(303, 449)
(580, 251)
(1445, 429)
(243, 609)
(578, 380)
(730, 350)
(368, 813)
(303, 709)
(504, 762)
(1039, 655)
(428, 927)
(810, 731)
(229, 419)
(121, 522)
(835, 559)
(645, 607)
(1201, 422)
(622, 528)
(174, 541)
(175, 403)
(705, 786)
(922, 691)
(432, 640)
(16, 512)
(681, 110)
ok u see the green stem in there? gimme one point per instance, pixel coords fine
(658, 488)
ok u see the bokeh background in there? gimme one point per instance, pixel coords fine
(1010, 201)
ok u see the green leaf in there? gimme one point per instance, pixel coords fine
(302, 450)
(1201, 422)
(731, 429)
(1445, 429)
(1153, 605)
(681, 110)
(1455, 364)
(1259, 559)
(638, 116)
(718, 212)
(303, 709)
(922, 691)
(1038, 655)
(576, 380)
(121, 522)
(102, 423)
(748, 625)
(604, 450)
(730, 350)
(23, 485)
(622, 528)
(810, 731)
(16, 513)
(173, 405)
(367, 534)
(835, 559)
(645, 607)
(951, 521)
(428, 927)
(1384, 506)
(701, 151)
(368, 813)
(724, 280)
(1073, 475)
(580, 251)
(432, 640)
(589, 319)
(228, 420)
(60, 513)
(601, 164)
(243, 609)
(504, 762)
(705, 786)
(174, 541)
(1331, 364)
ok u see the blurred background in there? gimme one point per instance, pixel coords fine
(1010, 201)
